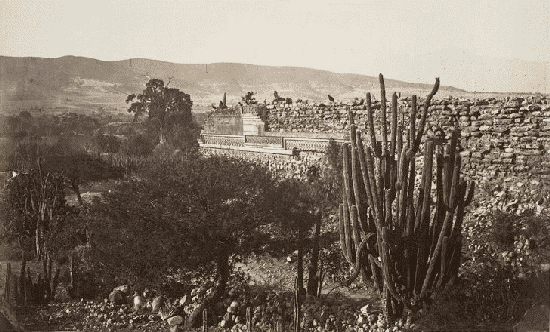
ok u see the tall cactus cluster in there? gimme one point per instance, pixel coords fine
(406, 237)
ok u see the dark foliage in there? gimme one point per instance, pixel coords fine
(107, 143)
(168, 109)
(182, 213)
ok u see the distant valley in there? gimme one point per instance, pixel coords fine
(81, 84)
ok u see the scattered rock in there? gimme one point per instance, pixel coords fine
(139, 302)
(175, 320)
(156, 304)
(123, 289)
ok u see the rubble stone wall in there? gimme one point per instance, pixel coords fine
(505, 142)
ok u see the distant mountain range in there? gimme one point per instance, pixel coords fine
(78, 83)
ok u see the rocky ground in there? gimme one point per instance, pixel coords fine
(264, 282)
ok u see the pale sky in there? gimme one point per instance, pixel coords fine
(467, 43)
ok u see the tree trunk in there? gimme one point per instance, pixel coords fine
(223, 271)
(313, 280)
(300, 261)
(76, 189)
(23, 280)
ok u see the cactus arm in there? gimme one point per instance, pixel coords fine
(386, 263)
(355, 177)
(358, 261)
(451, 156)
(412, 124)
(401, 186)
(393, 145)
(446, 224)
(426, 183)
(365, 176)
(342, 232)
(383, 113)
(424, 115)
(355, 228)
(422, 220)
(346, 171)
(374, 188)
(410, 192)
(347, 234)
(440, 203)
(376, 268)
(370, 125)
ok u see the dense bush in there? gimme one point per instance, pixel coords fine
(140, 145)
(107, 143)
(179, 213)
(501, 275)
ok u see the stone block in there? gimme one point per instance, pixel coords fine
(175, 320)
(503, 121)
(484, 128)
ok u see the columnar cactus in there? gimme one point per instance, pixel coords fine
(389, 231)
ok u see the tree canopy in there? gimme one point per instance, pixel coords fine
(169, 109)
(188, 211)
(64, 157)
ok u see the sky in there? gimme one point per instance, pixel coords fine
(469, 44)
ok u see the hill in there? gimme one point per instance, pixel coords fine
(82, 84)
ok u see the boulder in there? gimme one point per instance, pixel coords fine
(157, 303)
(175, 320)
(139, 302)
(123, 289)
(117, 297)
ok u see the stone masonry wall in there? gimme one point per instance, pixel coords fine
(506, 141)
(282, 166)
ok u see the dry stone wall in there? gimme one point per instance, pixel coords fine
(282, 166)
(505, 142)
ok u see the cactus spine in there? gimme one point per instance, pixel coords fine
(389, 231)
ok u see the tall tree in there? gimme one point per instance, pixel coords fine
(167, 108)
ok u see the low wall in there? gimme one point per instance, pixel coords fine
(281, 165)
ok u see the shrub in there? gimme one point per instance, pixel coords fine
(497, 281)
(107, 143)
(141, 145)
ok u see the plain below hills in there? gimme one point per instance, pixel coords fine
(75, 84)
